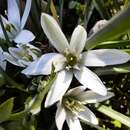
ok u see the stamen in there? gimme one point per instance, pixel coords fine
(73, 105)
(8, 27)
(71, 61)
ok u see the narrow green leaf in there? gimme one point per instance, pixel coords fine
(114, 44)
(53, 10)
(6, 109)
(113, 70)
(118, 25)
(114, 114)
(44, 88)
(88, 12)
(101, 8)
(61, 3)
(18, 115)
(122, 70)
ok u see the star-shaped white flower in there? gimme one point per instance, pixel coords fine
(22, 55)
(72, 106)
(72, 61)
(15, 24)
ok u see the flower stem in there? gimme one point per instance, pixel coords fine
(114, 114)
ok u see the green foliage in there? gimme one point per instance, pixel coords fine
(6, 109)
(27, 112)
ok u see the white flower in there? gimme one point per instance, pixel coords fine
(72, 106)
(2, 60)
(14, 25)
(71, 61)
(22, 55)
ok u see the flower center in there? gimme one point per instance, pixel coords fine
(72, 104)
(25, 55)
(71, 60)
(8, 27)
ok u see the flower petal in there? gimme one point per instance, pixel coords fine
(99, 25)
(2, 60)
(12, 60)
(60, 116)
(26, 13)
(90, 80)
(5, 21)
(54, 33)
(103, 57)
(78, 40)
(76, 91)
(1, 33)
(24, 36)
(88, 116)
(73, 123)
(92, 97)
(15, 52)
(13, 13)
(59, 87)
(43, 66)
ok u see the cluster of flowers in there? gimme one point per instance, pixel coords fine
(70, 61)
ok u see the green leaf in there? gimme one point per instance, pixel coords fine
(114, 115)
(54, 11)
(122, 70)
(44, 87)
(18, 115)
(101, 8)
(112, 70)
(114, 44)
(6, 109)
(116, 123)
(118, 25)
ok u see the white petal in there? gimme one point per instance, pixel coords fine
(1, 33)
(4, 20)
(13, 13)
(24, 36)
(12, 60)
(88, 116)
(60, 117)
(90, 80)
(103, 57)
(3, 64)
(26, 13)
(43, 66)
(78, 40)
(54, 33)
(73, 123)
(2, 60)
(99, 25)
(59, 87)
(76, 91)
(91, 97)
(15, 51)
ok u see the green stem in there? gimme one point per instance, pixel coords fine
(40, 96)
(114, 114)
